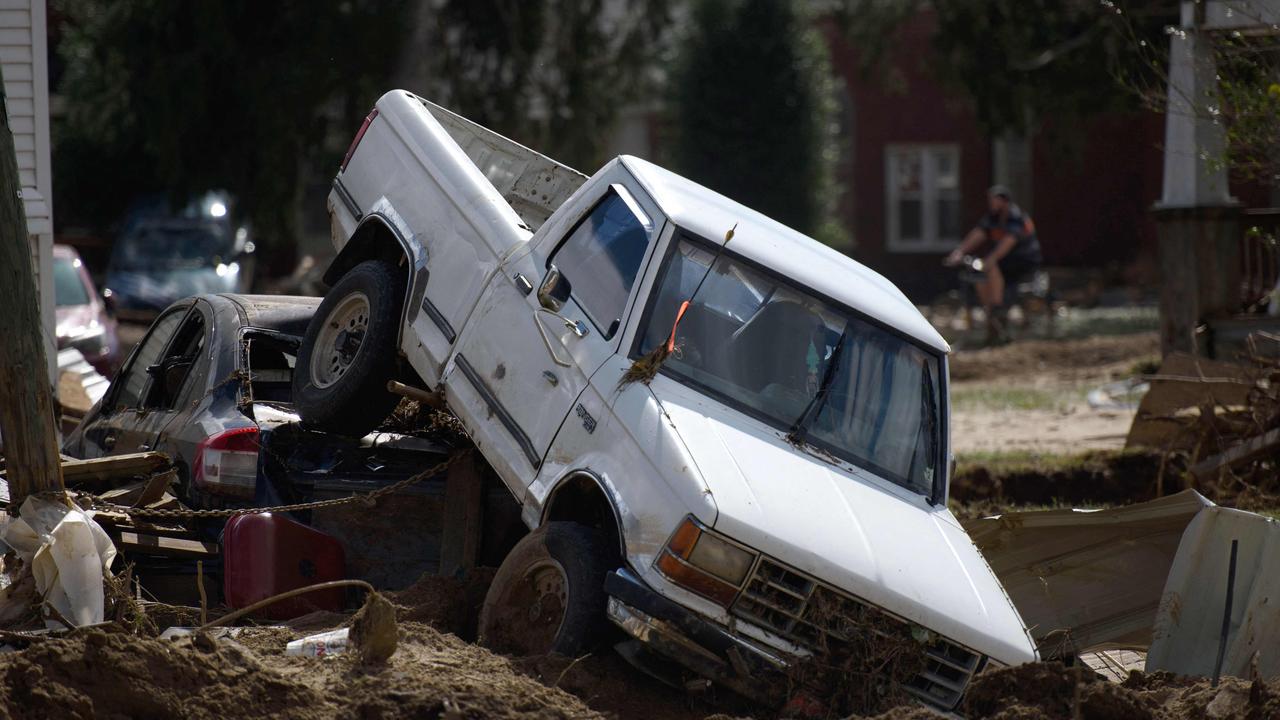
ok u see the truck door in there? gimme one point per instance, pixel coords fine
(523, 366)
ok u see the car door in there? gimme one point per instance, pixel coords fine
(172, 376)
(113, 431)
(524, 365)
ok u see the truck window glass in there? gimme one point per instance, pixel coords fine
(765, 347)
(148, 353)
(601, 259)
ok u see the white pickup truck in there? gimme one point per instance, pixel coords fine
(777, 487)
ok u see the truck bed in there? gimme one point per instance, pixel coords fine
(532, 183)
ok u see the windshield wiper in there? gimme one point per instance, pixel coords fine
(799, 429)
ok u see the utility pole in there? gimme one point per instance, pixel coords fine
(32, 463)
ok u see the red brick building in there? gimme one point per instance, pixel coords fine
(916, 168)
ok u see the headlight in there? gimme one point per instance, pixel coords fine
(699, 560)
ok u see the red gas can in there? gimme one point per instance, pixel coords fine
(267, 554)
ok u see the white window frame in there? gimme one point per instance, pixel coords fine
(930, 242)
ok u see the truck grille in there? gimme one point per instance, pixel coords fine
(811, 614)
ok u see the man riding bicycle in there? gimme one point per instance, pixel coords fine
(1012, 255)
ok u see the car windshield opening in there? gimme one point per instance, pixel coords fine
(808, 367)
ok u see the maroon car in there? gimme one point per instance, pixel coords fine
(82, 318)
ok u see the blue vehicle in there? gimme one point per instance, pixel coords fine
(161, 256)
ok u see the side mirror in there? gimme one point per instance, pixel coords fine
(554, 290)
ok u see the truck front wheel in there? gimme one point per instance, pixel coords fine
(548, 595)
(349, 352)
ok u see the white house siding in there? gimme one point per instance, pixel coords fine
(24, 59)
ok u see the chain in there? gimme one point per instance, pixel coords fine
(369, 497)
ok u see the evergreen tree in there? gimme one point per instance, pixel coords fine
(754, 113)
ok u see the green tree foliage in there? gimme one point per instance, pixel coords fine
(181, 97)
(1021, 61)
(553, 74)
(753, 111)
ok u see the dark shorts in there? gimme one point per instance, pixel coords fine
(1017, 269)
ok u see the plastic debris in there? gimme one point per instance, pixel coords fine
(69, 555)
(334, 642)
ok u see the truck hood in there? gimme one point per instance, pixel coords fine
(845, 527)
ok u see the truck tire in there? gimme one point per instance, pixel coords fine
(349, 352)
(548, 595)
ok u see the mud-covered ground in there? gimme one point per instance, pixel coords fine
(110, 673)
(1030, 396)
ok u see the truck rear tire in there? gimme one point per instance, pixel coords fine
(548, 595)
(349, 352)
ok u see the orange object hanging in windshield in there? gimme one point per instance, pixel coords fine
(671, 341)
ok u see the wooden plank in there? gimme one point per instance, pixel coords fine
(167, 546)
(1185, 382)
(113, 471)
(1251, 449)
(463, 521)
(143, 492)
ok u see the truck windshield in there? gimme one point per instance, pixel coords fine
(824, 374)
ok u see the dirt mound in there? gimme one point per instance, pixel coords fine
(448, 604)
(99, 674)
(1038, 356)
(1053, 692)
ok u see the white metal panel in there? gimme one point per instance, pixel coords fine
(1188, 627)
(14, 72)
(18, 88)
(15, 18)
(15, 54)
(19, 107)
(15, 36)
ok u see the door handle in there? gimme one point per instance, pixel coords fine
(144, 447)
(551, 377)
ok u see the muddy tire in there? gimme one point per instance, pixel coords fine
(548, 595)
(349, 352)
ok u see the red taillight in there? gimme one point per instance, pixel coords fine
(364, 126)
(228, 462)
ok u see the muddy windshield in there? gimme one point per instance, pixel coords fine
(826, 376)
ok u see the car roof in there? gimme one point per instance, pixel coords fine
(709, 214)
(288, 314)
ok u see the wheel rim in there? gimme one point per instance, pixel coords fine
(533, 610)
(340, 340)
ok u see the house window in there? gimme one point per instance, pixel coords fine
(922, 189)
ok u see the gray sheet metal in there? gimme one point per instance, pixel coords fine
(1087, 580)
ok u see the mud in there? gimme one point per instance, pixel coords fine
(1053, 692)
(448, 604)
(1065, 358)
(373, 630)
(99, 674)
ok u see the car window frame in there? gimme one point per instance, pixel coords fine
(651, 232)
(206, 337)
(110, 401)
